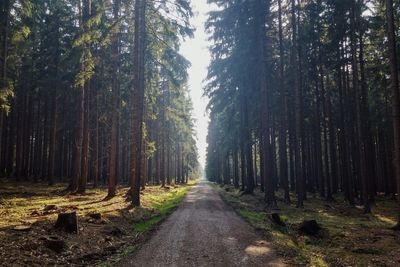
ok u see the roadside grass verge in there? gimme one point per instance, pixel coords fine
(348, 238)
(160, 209)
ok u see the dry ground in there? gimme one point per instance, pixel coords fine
(104, 241)
(348, 238)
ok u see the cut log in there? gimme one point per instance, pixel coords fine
(67, 222)
(310, 227)
(22, 228)
(371, 251)
(55, 244)
(50, 207)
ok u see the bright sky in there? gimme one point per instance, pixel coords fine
(196, 51)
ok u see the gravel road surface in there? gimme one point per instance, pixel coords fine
(204, 231)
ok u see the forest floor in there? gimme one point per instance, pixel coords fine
(348, 237)
(28, 213)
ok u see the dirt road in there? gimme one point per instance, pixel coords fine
(204, 231)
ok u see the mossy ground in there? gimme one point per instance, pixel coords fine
(348, 238)
(23, 204)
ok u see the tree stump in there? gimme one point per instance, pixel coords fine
(275, 218)
(310, 227)
(67, 222)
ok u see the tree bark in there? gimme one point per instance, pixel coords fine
(297, 100)
(360, 124)
(86, 140)
(283, 164)
(53, 131)
(138, 99)
(262, 18)
(78, 131)
(112, 172)
(4, 55)
(394, 85)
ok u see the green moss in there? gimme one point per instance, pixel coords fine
(252, 216)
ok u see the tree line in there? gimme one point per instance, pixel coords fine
(304, 97)
(95, 92)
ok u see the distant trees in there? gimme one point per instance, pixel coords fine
(311, 78)
(92, 90)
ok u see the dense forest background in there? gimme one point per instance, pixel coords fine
(305, 98)
(94, 92)
(304, 112)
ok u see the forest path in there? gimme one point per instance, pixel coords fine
(204, 231)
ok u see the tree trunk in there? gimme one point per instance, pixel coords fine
(78, 131)
(360, 123)
(297, 101)
(4, 55)
(85, 140)
(266, 122)
(235, 168)
(53, 129)
(247, 147)
(138, 99)
(394, 85)
(283, 164)
(112, 173)
(96, 142)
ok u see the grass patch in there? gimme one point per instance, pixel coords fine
(349, 238)
(147, 225)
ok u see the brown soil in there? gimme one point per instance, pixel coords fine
(28, 214)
